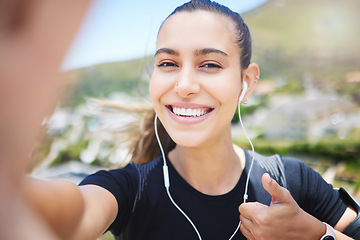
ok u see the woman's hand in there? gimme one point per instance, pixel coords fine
(283, 219)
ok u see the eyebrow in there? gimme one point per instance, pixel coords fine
(203, 51)
(166, 50)
(206, 51)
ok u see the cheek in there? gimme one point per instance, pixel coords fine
(227, 90)
(158, 86)
(152, 91)
(227, 93)
(153, 87)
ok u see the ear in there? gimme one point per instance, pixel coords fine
(251, 75)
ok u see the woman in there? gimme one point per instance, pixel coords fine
(202, 63)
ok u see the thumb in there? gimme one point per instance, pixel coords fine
(278, 193)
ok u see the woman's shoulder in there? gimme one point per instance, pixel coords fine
(296, 165)
(277, 160)
(280, 167)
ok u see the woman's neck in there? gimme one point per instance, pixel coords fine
(212, 170)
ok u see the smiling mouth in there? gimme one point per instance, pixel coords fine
(189, 112)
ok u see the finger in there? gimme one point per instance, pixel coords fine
(278, 193)
(246, 222)
(246, 232)
(250, 209)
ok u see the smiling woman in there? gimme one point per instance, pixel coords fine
(205, 67)
(202, 60)
(196, 183)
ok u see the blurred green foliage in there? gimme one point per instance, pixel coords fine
(335, 149)
(107, 236)
(295, 40)
(71, 153)
(131, 77)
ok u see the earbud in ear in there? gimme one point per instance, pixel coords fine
(243, 91)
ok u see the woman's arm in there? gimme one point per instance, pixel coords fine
(348, 216)
(72, 212)
(100, 211)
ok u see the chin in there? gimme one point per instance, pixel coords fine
(190, 140)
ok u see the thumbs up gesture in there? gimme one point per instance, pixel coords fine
(283, 219)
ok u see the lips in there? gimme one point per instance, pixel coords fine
(189, 112)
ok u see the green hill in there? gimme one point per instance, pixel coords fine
(323, 28)
(319, 39)
(292, 40)
(100, 80)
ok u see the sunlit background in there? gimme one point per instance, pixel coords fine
(121, 30)
(306, 104)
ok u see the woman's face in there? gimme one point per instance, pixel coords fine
(196, 82)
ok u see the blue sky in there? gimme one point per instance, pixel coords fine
(116, 30)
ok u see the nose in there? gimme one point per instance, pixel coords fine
(187, 83)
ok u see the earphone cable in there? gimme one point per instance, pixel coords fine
(253, 155)
(251, 166)
(167, 181)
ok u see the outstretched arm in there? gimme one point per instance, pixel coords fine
(284, 219)
(72, 212)
(59, 203)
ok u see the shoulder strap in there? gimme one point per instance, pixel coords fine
(353, 229)
(273, 165)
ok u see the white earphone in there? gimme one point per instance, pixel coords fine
(166, 171)
(243, 91)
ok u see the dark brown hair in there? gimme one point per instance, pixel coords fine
(243, 36)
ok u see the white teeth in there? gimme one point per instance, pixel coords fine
(189, 112)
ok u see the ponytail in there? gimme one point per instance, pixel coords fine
(144, 147)
(139, 134)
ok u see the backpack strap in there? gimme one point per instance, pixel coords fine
(273, 165)
(353, 230)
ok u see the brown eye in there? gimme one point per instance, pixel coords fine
(167, 64)
(210, 65)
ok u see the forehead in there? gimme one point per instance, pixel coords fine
(198, 29)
